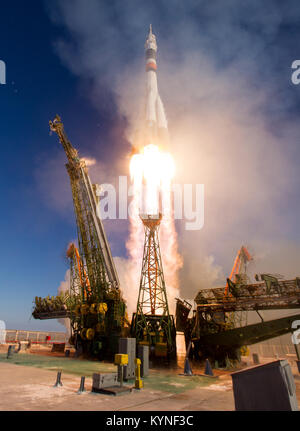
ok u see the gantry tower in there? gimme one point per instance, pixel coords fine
(152, 323)
(94, 304)
(93, 246)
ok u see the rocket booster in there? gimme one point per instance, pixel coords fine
(156, 121)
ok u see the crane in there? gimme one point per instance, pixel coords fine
(94, 305)
(238, 272)
(208, 329)
(78, 271)
(238, 275)
(92, 240)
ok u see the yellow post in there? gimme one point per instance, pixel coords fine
(121, 360)
(138, 380)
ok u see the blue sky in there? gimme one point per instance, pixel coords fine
(72, 57)
(33, 235)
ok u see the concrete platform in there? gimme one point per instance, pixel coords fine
(27, 385)
(31, 389)
(114, 390)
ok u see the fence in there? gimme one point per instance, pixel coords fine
(280, 346)
(35, 337)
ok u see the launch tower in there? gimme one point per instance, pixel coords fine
(94, 302)
(152, 323)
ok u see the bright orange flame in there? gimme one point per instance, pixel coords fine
(156, 169)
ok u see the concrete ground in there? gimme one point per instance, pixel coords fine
(26, 387)
(29, 388)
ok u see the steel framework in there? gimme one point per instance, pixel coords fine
(270, 294)
(93, 245)
(238, 275)
(152, 323)
(208, 328)
(95, 305)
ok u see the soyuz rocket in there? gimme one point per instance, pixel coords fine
(156, 121)
(155, 125)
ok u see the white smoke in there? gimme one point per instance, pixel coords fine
(218, 107)
(89, 161)
(129, 284)
(62, 288)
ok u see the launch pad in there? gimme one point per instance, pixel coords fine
(94, 303)
(27, 384)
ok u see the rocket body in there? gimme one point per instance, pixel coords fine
(156, 121)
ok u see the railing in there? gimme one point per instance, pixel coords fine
(35, 337)
(271, 350)
(281, 346)
(261, 296)
(61, 314)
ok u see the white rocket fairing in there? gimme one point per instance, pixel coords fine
(156, 121)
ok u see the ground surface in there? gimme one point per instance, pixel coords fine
(27, 383)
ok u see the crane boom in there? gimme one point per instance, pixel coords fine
(93, 302)
(239, 266)
(93, 244)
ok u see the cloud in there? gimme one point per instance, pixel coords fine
(130, 290)
(224, 80)
(62, 288)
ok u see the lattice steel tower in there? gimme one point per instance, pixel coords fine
(96, 308)
(152, 323)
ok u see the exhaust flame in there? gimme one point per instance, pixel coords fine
(151, 173)
(155, 170)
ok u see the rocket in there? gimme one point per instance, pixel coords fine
(154, 121)
(155, 117)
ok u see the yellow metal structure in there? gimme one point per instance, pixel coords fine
(121, 359)
(102, 308)
(138, 381)
(144, 343)
(90, 334)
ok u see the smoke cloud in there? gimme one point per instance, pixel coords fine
(62, 288)
(223, 75)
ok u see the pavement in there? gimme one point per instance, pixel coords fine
(30, 387)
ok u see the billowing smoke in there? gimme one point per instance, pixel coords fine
(228, 103)
(65, 284)
(62, 288)
(126, 269)
(89, 161)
